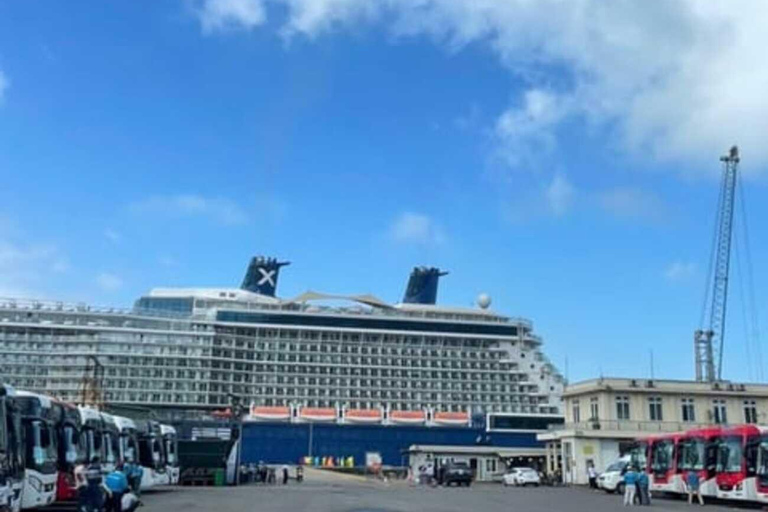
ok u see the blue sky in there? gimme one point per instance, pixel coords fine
(562, 157)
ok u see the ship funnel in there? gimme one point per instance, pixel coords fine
(261, 276)
(422, 285)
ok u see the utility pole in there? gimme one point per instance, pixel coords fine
(708, 343)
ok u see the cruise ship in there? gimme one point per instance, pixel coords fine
(314, 357)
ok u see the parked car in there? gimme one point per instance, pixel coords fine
(612, 479)
(458, 473)
(522, 476)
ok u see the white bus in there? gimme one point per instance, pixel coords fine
(11, 460)
(41, 456)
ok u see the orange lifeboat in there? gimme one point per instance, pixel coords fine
(363, 415)
(451, 418)
(407, 417)
(271, 413)
(318, 413)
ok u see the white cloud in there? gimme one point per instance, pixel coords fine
(109, 282)
(559, 195)
(678, 81)
(632, 203)
(26, 269)
(219, 15)
(4, 84)
(416, 228)
(679, 271)
(219, 209)
(112, 235)
(525, 132)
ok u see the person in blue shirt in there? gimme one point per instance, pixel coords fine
(642, 488)
(630, 480)
(692, 482)
(117, 484)
(133, 472)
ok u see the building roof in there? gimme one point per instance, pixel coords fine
(501, 451)
(661, 386)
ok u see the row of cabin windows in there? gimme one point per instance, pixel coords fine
(655, 410)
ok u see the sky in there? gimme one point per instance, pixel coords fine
(560, 155)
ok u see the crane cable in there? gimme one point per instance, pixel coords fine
(745, 322)
(755, 338)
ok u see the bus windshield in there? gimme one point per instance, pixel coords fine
(128, 447)
(637, 456)
(729, 455)
(72, 448)
(661, 456)
(110, 454)
(692, 455)
(92, 443)
(762, 461)
(170, 451)
(40, 446)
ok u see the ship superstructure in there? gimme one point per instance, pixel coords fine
(197, 348)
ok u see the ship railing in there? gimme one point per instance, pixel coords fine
(649, 427)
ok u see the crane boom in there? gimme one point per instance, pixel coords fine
(709, 343)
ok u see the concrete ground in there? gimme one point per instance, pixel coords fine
(324, 492)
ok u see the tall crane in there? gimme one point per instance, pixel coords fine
(709, 343)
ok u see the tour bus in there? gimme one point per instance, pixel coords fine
(92, 428)
(761, 468)
(110, 443)
(128, 446)
(662, 464)
(737, 456)
(152, 455)
(171, 445)
(11, 459)
(41, 456)
(697, 451)
(72, 450)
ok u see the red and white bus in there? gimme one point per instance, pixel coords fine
(662, 463)
(697, 451)
(737, 455)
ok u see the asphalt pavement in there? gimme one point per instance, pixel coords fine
(324, 492)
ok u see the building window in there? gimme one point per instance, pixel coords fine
(594, 410)
(654, 408)
(622, 407)
(490, 465)
(750, 411)
(719, 415)
(576, 411)
(689, 413)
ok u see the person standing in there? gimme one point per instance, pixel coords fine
(117, 484)
(80, 484)
(692, 482)
(93, 492)
(592, 473)
(643, 488)
(630, 479)
(285, 474)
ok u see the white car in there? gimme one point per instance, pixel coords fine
(521, 476)
(612, 479)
